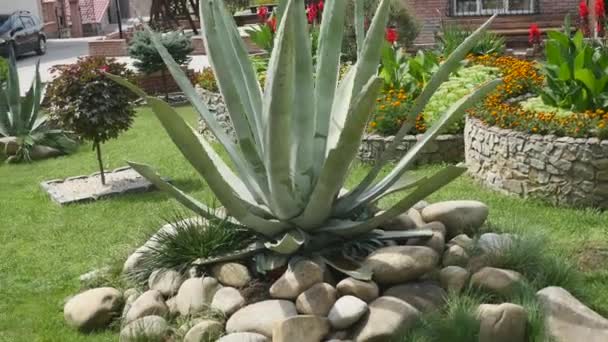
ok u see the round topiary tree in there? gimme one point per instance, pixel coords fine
(83, 100)
(147, 58)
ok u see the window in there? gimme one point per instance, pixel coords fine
(486, 7)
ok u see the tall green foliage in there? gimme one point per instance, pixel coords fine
(452, 35)
(147, 58)
(297, 138)
(575, 73)
(24, 134)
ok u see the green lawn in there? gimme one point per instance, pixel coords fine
(46, 247)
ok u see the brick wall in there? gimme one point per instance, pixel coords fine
(108, 47)
(429, 13)
(153, 83)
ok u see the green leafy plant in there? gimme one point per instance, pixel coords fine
(84, 101)
(410, 73)
(575, 73)
(452, 35)
(297, 139)
(24, 134)
(147, 59)
(3, 71)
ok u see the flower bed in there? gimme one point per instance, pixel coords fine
(563, 170)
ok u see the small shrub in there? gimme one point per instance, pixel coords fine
(147, 58)
(86, 102)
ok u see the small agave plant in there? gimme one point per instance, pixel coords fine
(25, 134)
(297, 139)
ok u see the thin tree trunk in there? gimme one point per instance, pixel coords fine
(97, 147)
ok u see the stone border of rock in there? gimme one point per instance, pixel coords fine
(79, 189)
(447, 148)
(216, 105)
(563, 170)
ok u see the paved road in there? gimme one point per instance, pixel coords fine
(66, 51)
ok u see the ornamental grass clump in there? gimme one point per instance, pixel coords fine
(297, 139)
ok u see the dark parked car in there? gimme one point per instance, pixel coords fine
(22, 32)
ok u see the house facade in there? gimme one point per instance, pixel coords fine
(515, 16)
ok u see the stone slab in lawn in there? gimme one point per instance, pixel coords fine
(89, 188)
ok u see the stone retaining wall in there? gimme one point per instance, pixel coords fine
(447, 148)
(563, 170)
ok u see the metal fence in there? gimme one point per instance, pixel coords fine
(489, 7)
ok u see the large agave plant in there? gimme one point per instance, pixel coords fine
(298, 138)
(23, 134)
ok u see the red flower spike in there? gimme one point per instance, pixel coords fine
(320, 6)
(534, 34)
(263, 13)
(600, 10)
(272, 23)
(391, 35)
(583, 10)
(104, 68)
(311, 13)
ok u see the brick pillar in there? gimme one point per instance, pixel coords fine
(76, 29)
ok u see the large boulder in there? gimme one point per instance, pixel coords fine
(299, 277)
(303, 328)
(149, 328)
(227, 300)
(502, 323)
(425, 295)
(387, 316)
(455, 256)
(569, 320)
(8, 146)
(231, 274)
(93, 309)
(260, 317)
(364, 290)
(317, 300)
(454, 278)
(346, 311)
(457, 216)
(495, 243)
(244, 337)
(399, 264)
(196, 294)
(149, 303)
(206, 330)
(167, 282)
(497, 280)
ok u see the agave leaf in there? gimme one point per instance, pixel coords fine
(403, 235)
(255, 181)
(304, 105)
(278, 103)
(189, 202)
(359, 25)
(123, 82)
(406, 182)
(5, 115)
(31, 102)
(252, 249)
(235, 77)
(432, 184)
(269, 261)
(13, 95)
(366, 67)
(350, 268)
(188, 143)
(454, 112)
(328, 63)
(289, 243)
(336, 166)
(441, 75)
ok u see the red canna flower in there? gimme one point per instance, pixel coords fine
(391, 35)
(272, 23)
(583, 10)
(263, 13)
(311, 13)
(534, 34)
(320, 6)
(600, 10)
(104, 68)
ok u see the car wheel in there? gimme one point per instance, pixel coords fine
(41, 49)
